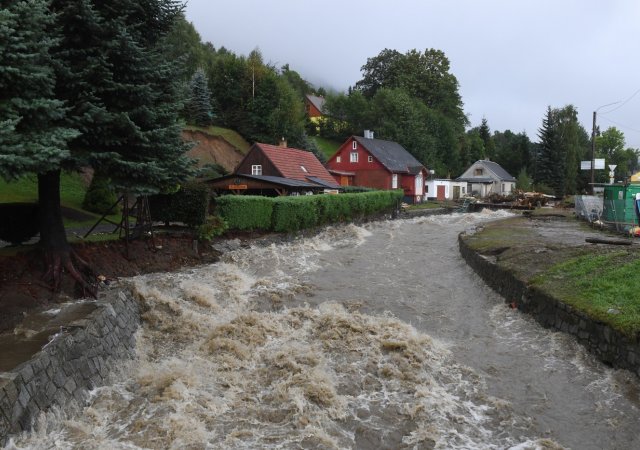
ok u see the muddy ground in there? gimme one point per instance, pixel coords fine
(527, 244)
(21, 270)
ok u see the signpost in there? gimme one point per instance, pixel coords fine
(598, 164)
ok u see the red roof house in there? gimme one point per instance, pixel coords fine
(280, 169)
(379, 164)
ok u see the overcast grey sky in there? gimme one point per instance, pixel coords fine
(512, 58)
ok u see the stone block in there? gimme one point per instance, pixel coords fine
(50, 391)
(80, 395)
(70, 386)
(23, 396)
(26, 372)
(85, 369)
(5, 406)
(5, 427)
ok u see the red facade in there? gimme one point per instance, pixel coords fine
(368, 171)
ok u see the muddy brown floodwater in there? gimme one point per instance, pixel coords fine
(364, 337)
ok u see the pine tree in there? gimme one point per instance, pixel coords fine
(31, 139)
(485, 135)
(119, 92)
(550, 164)
(199, 109)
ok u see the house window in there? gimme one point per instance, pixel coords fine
(256, 169)
(503, 187)
(338, 159)
(304, 169)
(426, 188)
(354, 156)
(477, 172)
(394, 181)
(354, 145)
(370, 158)
(464, 190)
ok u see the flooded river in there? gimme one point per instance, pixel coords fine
(366, 337)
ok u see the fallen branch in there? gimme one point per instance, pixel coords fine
(608, 241)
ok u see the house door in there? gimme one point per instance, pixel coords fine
(440, 195)
(456, 192)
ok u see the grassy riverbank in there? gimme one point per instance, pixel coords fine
(550, 253)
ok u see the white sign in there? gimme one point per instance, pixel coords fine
(586, 165)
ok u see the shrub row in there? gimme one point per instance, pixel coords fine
(188, 205)
(18, 222)
(245, 212)
(285, 214)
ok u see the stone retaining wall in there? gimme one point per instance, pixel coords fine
(75, 361)
(610, 346)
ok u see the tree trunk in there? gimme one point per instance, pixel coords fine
(59, 256)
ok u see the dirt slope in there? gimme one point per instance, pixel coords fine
(212, 149)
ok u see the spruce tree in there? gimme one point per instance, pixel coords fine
(31, 138)
(119, 92)
(199, 108)
(550, 164)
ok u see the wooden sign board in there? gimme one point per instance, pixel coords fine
(234, 187)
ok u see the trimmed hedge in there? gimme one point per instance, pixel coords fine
(188, 205)
(285, 214)
(19, 222)
(245, 212)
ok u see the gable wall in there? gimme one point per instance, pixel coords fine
(369, 174)
(255, 156)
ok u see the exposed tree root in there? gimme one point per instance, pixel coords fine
(59, 262)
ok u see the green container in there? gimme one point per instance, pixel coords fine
(618, 205)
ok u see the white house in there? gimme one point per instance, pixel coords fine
(486, 177)
(445, 189)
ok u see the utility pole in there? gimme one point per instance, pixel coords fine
(593, 153)
(593, 144)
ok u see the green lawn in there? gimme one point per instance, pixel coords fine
(326, 146)
(606, 287)
(72, 190)
(25, 189)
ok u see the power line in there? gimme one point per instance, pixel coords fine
(620, 124)
(622, 104)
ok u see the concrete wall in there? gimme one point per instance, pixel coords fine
(75, 361)
(610, 346)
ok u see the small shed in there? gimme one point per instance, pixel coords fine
(445, 189)
(618, 205)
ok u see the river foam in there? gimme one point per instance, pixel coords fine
(230, 356)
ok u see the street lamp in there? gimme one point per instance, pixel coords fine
(593, 144)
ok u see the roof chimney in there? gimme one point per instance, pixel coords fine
(368, 134)
(282, 143)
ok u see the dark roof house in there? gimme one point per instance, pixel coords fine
(314, 105)
(379, 164)
(487, 177)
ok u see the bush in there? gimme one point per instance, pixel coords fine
(100, 196)
(286, 214)
(245, 212)
(188, 205)
(214, 226)
(19, 222)
(295, 213)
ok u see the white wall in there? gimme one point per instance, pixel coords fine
(432, 188)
